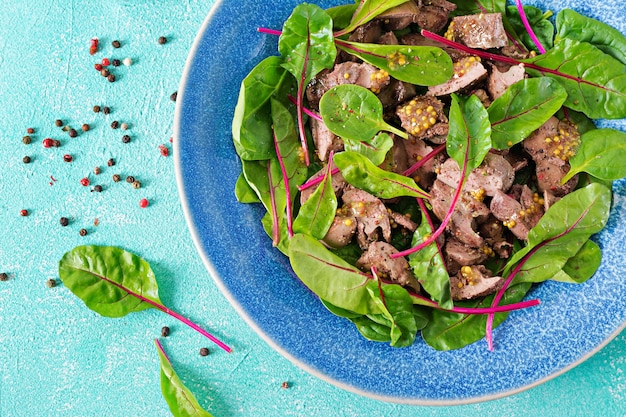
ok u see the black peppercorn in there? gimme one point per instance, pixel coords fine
(111, 78)
(97, 188)
(116, 178)
(51, 283)
(26, 159)
(204, 352)
(96, 109)
(165, 331)
(26, 140)
(116, 44)
(106, 110)
(162, 40)
(130, 179)
(64, 221)
(58, 122)
(82, 232)
(73, 133)
(5, 277)
(126, 139)
(116, 62)
(174, 96)
(111, 162)
(115, 124)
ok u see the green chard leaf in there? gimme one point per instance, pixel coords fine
(342, 15)
(524, 107)
(602, 153)
(572, 25)
(542, 27)
(595, 82)
(429, 267)
(368, 10)
(362, 173)
(464, 7)
(420, 65)
(469, 136)
(181, 401)
(561, 232)
(580, 267)
(252, 122)
(354, 112)
(375, 150)
(244, 192)
(317, 214)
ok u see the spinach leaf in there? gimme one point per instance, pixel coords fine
(307, 45)
(581, 266)
(429, 267)
(447, 330)
(420, 65)
(575, 26)
(113, 283)
(252, 123)
(362, 173)
(524, 107)
(464, 7)
(375, 150)
(181, 401)
(561, 232)
(595, 82)
(368, 10)
(243, 192)
(469, 135)
(602, 153)
(354, 112)
(542, 27)
(330, 277)
(317, 214)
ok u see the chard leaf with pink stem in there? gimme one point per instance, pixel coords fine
(307, 46)
(368, 10)
(113, 283)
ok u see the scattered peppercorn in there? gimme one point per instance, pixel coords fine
(50, 283)
(126, 139)
(30, 130)
(66, 128)
(96, 109)
(174, 96)
(124, 126)
(104, 72)
(165, 331)
(96, 170)
(64, 221)
(56, 143)
(68, 158)
(127, 62)
(115, 124)
(82, 232)
(116, 178)
(111, 162)
(130, 179)
(143, 203)
(105, 62)
(23, 213)
(47, 143)
(116, 62)
(26, 140)
(26, 159)
(93, 46)
(97, 188)
(164, 150)
(98, 67)
(116, 44)
(85, 127)
(106, 110)
(162, 40)
(111, 78)
(4, 276)
(204, 352)
(84, 182)
(284, 385)
(136, 184)
(73, 133)
(58, 122)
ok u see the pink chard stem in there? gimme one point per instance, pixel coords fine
(529, 29)
(287, 190)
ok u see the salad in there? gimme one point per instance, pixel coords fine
(424, 163)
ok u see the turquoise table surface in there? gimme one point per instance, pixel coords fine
(57, 357)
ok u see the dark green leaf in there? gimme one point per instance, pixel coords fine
(542, 27)
(595, 82)
(106, 277)
(469, 136)
(368, 10)
(581, 28)
(252, 123)
(330, 277)
(479, 6)
(524, 107)
(360, 172)
(448, 331)
(602, 153)
(181, 401)
(420, 65)
(342, 15)
(317, 214)
(581, 266)
(245, 193)
(375, 150)
(354, 112)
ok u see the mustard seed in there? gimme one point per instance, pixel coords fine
(204, 352)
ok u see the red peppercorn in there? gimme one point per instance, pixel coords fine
(105, 62)
(164, 151)
(98, 67)
(23, 213)
(93, 46)
(30, 130)
(143, 203)
(84, 182)
(67, 157)
(48, 143)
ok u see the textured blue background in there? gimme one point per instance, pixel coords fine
(57, 358)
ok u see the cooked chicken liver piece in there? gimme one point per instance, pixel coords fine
(378, 254)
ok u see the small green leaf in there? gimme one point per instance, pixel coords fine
(181, 401)
(542, 27)
(244, 193)
(581, 266)
(602, 153)
(354, 112)
(368, 10)
(469, 136)
(317, 214)
(375, 150)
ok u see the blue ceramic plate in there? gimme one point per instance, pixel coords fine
(571, 324)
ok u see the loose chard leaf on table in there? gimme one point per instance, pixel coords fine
(181, 401)
(523, 108)
(602, 153)
(354, 112)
